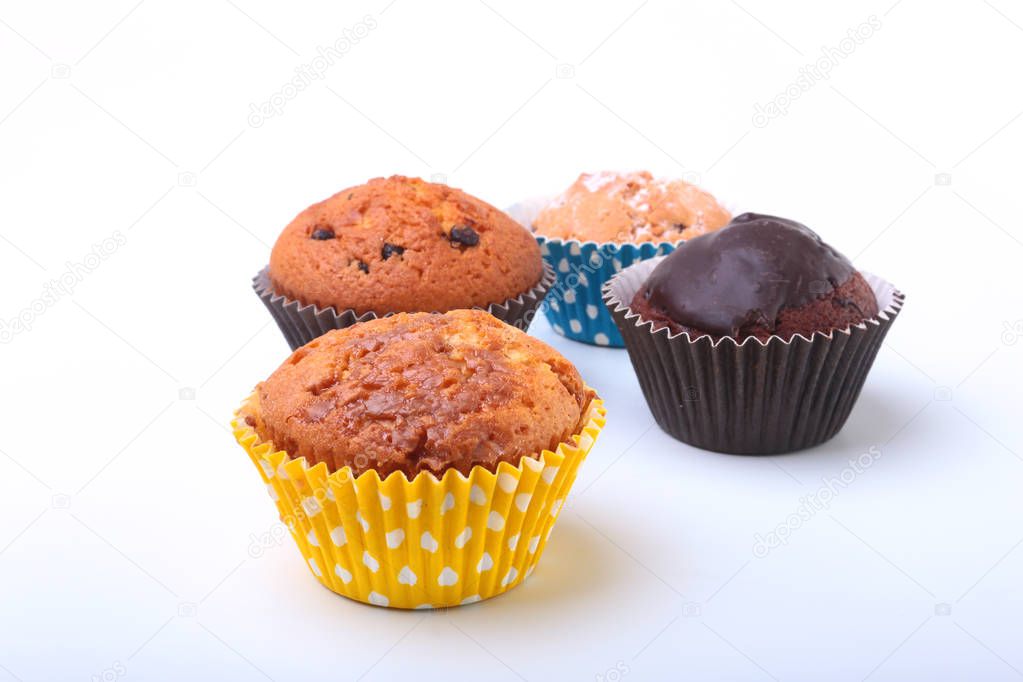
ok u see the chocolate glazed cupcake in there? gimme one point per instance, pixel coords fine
(755, 339)
(399, 245)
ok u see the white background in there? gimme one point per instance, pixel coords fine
(127, 514)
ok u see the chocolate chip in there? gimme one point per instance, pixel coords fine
(364, 267)
(463, 235)
(391, 250)
(680, 226)
(350, 195)
(322, 233)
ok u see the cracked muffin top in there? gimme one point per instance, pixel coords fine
(630, 207)
(403, 245)
(420, 392)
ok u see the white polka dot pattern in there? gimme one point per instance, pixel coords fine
(575, 306)
(424, 543)
(407, 577)
(395, 538)
(463, 537)
(447, 577)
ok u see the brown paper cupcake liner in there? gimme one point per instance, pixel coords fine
(301, 323)
(753, 397)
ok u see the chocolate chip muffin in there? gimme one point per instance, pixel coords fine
(403, 245)
(761, 276)
(630, 207)
(421, 392)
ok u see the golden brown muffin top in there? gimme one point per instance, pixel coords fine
(630, 207)
(403, 245)
(421, 392)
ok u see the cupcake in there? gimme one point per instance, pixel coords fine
(421, 460)
(605, 222)
(755, 339)
(399, 245)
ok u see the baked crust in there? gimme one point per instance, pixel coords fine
(421, 392)
(401, 244)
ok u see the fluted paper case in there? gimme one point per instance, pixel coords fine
(752, 397)
(427, 542)
(301, 323)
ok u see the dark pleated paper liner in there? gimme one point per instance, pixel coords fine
(750, 398)
(575, 307)
(300, 323)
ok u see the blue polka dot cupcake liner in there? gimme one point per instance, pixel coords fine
(575, 306)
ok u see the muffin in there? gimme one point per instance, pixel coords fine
(630, 208)
(605, 222)
(421, 392)
(420, 460)
(764, 276)
(756, 339)
(399, 245)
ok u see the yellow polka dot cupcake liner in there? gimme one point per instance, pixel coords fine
(428, 542)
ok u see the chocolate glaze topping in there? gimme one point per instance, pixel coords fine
(744, 274)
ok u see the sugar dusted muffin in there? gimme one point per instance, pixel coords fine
(630, 207)
(421, 392)
(603, 223)
(761, 276)
(403, 245)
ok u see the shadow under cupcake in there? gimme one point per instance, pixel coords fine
(756, 339)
